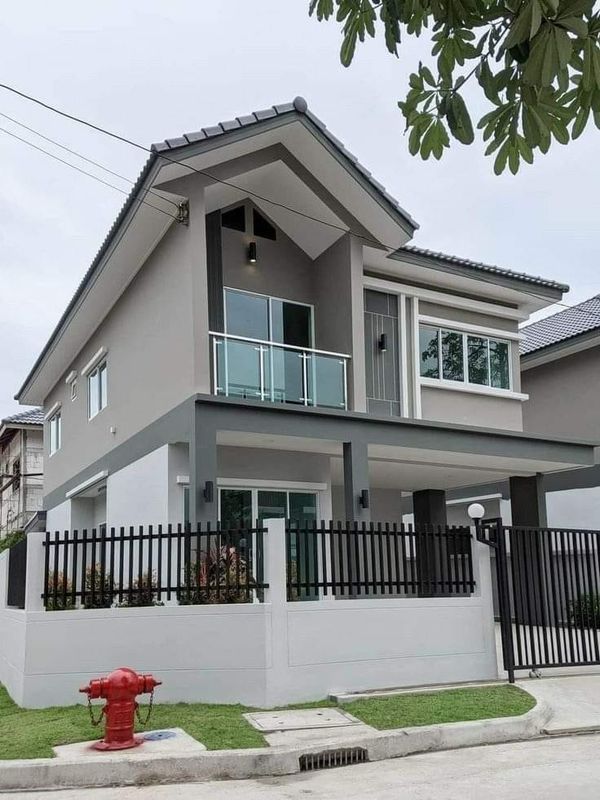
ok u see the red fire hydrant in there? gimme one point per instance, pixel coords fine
(120, 689)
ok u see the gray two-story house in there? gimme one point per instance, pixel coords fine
(258, 338)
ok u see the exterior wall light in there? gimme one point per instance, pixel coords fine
(252, 253)
(209, 492)
(363, 498)
(382, 343)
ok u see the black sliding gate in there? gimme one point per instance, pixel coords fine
(548, 590)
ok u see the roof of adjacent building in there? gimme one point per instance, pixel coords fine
(564, 325)
(33, 416)
(480, 266)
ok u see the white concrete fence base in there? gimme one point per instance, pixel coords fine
(258, 654)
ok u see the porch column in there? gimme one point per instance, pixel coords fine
(356, 479)
(528, 506)
(203, 470)
(429, 508)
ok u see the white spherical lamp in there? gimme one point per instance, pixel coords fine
(476, 511)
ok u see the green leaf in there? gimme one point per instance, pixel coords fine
(459, 120)
(501, 158)
(580, 122)
(414, 141)
(576, 25)
(427, 75)
(513, 158)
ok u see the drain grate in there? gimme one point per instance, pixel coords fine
(333, 758)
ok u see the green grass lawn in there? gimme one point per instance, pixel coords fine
(33, 733)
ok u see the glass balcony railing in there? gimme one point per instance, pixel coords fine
(278, 373)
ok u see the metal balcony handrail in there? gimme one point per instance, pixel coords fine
(267, 343)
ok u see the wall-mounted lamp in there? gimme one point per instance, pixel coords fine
(252, 253)
(363, 498)
(209, 492)
(382, 343)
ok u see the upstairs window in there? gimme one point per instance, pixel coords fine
(463, 357)
(263, 227)
(97, 390)
(235, 219)
(55, 426)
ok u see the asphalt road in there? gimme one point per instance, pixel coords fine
(562, 768)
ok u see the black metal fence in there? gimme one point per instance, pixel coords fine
(379, 559)
(548, 587)
(148, 566)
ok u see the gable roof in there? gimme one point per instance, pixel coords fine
(479, 266)
(298, 106)
(564, 325)
(33, 416)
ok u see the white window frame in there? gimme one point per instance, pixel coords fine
(95, 372)
(465, 384)
(55, 432)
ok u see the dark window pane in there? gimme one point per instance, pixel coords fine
(452, 356)
(262, 227)
(247, 315)
(291, 323)
(235, 219)
(272, 505)
(477, 348)
(236, 508)
(499, 364)
(430, 356)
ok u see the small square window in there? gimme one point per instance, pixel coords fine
(263, 227)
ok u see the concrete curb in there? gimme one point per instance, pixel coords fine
(142, 769)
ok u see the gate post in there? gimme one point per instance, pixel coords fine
(504, 603)
(34, 582)
(276, 671)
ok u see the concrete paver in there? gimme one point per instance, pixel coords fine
(547, 769)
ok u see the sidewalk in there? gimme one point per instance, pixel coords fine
(574, 701)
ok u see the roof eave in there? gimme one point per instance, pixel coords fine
(545, 291)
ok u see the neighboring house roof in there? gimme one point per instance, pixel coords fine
(564, 325)
(481, 267)
(33, 416)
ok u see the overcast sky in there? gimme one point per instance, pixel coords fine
(151, 70)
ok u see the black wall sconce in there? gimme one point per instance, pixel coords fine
(382, 343)
(209, 492)
(363, 498)
(252, 253)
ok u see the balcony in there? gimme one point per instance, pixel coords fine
(278, 373)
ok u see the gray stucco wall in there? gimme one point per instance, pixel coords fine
(150, 342)
(463, 408)
(564, 396)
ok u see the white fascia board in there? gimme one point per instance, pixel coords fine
(471, 388)
(259, 483)
(442, 298)
(475, 499)
(95, 359)
(497, 333)
(86, 484)
(52, 411)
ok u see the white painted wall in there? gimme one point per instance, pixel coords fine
(260, 654)
(59, 518)
(574, 508)
(138, 494)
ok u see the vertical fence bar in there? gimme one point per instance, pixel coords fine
(121, 562)
(46, 568)
(169, 560)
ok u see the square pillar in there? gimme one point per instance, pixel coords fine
(429, 509)
(203, 470)
(528, 506)
(528, 501)
(356, 479)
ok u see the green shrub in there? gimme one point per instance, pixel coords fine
(103, 590)
(144, 591)
(585, 611)
(219, 575)
(11, 539)
(64, 599)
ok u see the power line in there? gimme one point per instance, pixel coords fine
(84, 158)
(83, 171)
(292, 210)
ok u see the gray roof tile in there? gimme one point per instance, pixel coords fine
(213, 130)
(266, 113)
(480, 266)
(196, 136)
(582, 318)
(33, 416)
(247, 119)
(230, 124)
